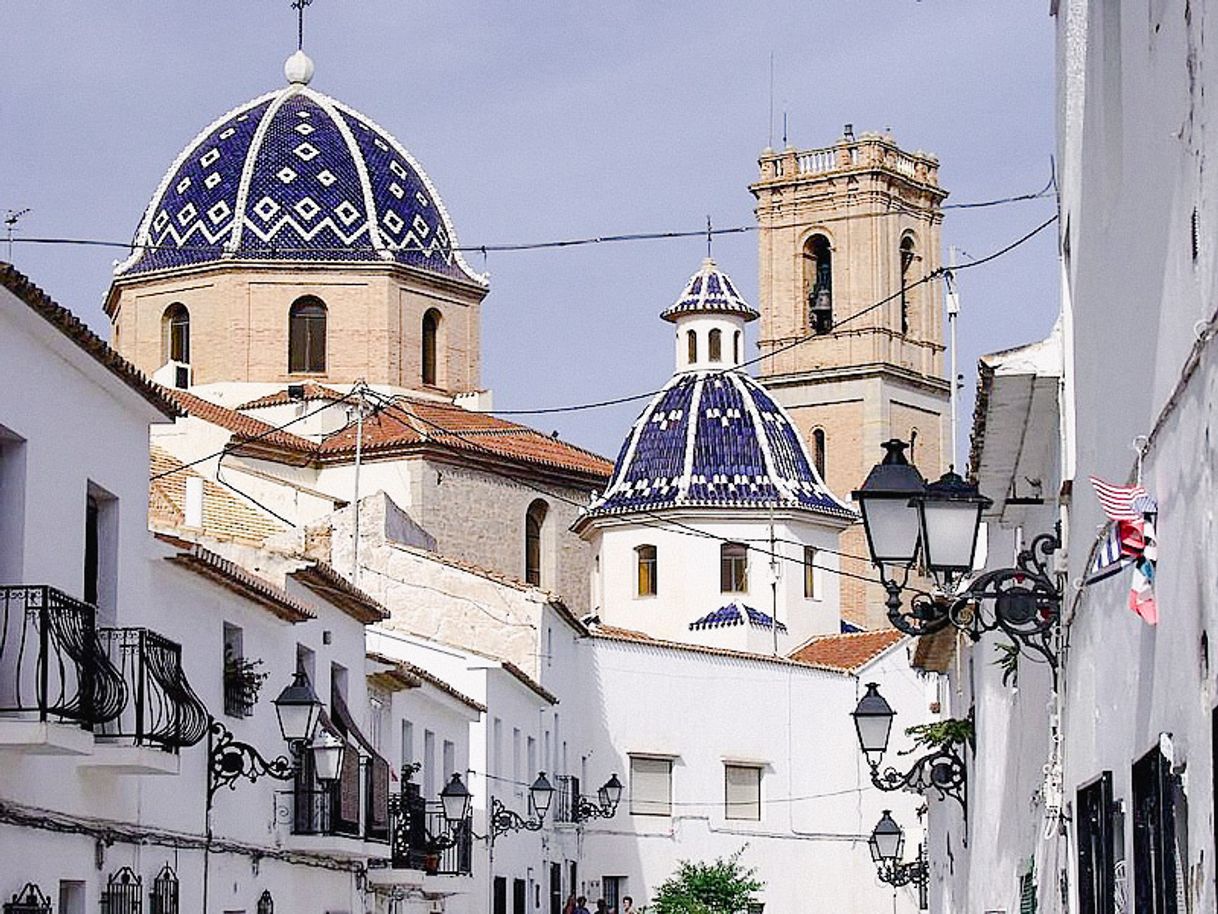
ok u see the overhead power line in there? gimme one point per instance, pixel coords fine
(512, 247)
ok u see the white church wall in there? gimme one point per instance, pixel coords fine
(701, 711)
(689, 582)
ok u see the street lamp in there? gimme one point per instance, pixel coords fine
(455, 799)
(298, 710)
(943, 769)
(909, 522)
(887, 845)
(608, 795)
(504, 820)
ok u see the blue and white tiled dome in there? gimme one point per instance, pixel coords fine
(714, 439)
(710, 291)
(296, 176)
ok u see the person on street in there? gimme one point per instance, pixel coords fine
(581, 905)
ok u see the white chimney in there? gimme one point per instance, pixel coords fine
(194, 501)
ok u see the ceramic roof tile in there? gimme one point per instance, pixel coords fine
(847, 652)
(224, 516)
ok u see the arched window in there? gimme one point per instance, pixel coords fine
(733, 568)
(307, 335)
(908, 256)
(736, 348)
(176, 327)
(818, 283)
(431, 333)
(715, 345)
(818, 452)
(646, 570)
(691, 341)
(534, 526)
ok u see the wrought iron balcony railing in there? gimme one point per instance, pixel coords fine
(421, 839)
(566, 799)
(327, 810)
(162, 709)
(51, 662)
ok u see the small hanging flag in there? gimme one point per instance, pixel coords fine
(1129, 541)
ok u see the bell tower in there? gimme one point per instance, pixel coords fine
(840, 229)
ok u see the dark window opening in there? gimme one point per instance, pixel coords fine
(1096, 847)
(736, 348)
(715, 346)
(92, 520)
(810, 572)
(818, 452)
(177, 333)
(733, 568)
(534, 524)
(647, 571)
(499, 895)
(520, 897)
(908, 256)
(818, 283)
(431, 331)
(1158, 835)
(691, 342)
(307, 336)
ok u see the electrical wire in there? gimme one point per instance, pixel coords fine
(512, 247)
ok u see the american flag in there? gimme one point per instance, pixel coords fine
(1123, 502)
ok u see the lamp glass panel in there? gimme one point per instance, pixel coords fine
(892, 529)
(297, 720)
(888, 839)
(613, 791)
(541, 792)
(873, 731)
(455, 799)
(328, 757)
(950, 534)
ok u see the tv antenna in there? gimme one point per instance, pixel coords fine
(11, 218)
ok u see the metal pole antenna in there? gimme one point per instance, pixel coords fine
(359, 448)
(299, 6)
(773, 584)
(953, 311)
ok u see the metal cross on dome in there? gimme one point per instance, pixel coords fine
(299, 6)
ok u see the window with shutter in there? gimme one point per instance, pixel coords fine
(742, 792)
(650, 786)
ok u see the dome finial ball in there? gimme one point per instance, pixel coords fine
(299, 68)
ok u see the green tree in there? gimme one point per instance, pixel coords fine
(723, 887)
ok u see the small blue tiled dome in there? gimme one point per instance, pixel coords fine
(710, 291)
(715, 439)
(296, 176)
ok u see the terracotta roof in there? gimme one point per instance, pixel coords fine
(847, 652)
(418, 672)
(528, 681)
(229, 574)
(224, 516)
(935, 653)
(309, 391)
(245, 429)
(74, 329)
(613, 633)
(408, 423)
(325, 581)
(404, 427)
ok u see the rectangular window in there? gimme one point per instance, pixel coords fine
(531, 756)
(407, 743)
(12, 506)
(650, 786)
(306, 662)
(810, 572)
(101, 553)
(742, 792)
(378, 713)
(517, 776)
(1096, 854)
(646, 571)
(520, 897)
(499, 893)
(496, 765)
(429, 764)
(450, 760)
(1158, 836)
(71, 896)
(241, 678)
(338, 683)
(733, 568)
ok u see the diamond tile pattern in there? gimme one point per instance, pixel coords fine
(735, 614)
(710, 291)
(307, 198)
(744, 452)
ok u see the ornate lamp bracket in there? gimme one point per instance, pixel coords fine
(942, 770)
(504, 820)
(231, 760)
(1024, 602)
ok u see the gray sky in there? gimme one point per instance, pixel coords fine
(542, 120)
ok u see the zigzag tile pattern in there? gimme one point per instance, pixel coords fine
(711, 291)
(315, 165)
(744, 451)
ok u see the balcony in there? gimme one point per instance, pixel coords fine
(57, 683)
(566, 800)
(162, 714)
(328, 818)
(421, 843)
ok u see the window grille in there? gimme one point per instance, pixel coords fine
(29, 900)
(266, 904)
(1027, 893)
(164, 896)
(124, 893)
